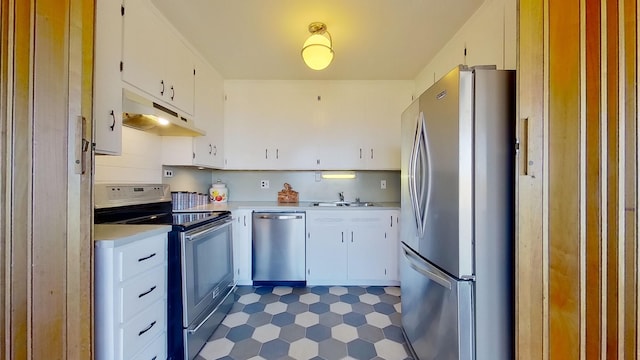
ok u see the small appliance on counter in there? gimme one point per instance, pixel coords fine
(218, 192)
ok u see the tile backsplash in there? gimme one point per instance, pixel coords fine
(245, 185)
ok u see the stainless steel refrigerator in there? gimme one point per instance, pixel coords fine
(457, 229)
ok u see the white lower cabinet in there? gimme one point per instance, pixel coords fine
(352, 247)
(131, 298)
(242, 246)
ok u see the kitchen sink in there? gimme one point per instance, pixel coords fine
(344, 203)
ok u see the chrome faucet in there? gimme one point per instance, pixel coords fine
(341, 195)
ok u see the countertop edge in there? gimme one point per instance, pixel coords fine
(109, 235)
(274, 205)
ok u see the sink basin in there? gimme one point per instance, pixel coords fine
(344, 203)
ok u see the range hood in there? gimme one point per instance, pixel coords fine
(143, 114)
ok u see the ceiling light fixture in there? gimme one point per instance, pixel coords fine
(317, 51)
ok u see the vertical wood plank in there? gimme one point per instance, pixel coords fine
(564, 182)
(18, 190)
(50, 122)
(612, 179)
(79, 245)
(630, 281)
(4, 121)
(529, 273)
(593, 180)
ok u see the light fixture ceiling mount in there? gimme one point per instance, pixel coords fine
(317, 51)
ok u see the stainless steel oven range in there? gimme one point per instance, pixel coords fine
(200, 267)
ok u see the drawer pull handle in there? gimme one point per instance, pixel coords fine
(147, 292)
(146, 257)
(147, 329)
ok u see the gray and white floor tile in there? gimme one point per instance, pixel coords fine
(316, 322)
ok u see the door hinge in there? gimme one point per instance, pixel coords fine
(194, 71)
(517, 146)
(122, 10)
(121, 66)
(194, 155)
(385, 234)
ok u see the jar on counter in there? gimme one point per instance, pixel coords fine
(218, 192)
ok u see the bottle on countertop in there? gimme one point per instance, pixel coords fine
(218, 192)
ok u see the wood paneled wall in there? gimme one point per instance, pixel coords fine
(45, 247)
(577, 244)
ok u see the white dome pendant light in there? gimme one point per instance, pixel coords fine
(317, 51)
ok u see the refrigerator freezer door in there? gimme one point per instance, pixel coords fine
(448, 117)
(437, 310)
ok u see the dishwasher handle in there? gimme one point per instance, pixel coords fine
(278, 216)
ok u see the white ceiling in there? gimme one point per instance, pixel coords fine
(373, 39)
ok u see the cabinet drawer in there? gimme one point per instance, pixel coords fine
(143, 328)
(157, 350)
(141, 291)
(141, 255)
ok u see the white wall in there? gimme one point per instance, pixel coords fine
(489, 37)
(139, 163)
(245, 185)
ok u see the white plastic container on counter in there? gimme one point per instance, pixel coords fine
(218, 192)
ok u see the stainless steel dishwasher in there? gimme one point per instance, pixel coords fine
(278, 255)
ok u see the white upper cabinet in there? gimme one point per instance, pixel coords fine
(155, 59)
(208, 150)
(308, 125)
(107, 87)
(269, 125)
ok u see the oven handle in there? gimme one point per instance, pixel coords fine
(196, 236)
(232, 291)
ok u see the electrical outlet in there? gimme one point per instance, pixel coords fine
(168, 173)
(383, 184)
(264, 184)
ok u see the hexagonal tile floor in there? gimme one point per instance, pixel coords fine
(319, 322)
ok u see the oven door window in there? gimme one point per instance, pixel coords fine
(207, 269)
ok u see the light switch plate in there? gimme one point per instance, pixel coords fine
(383, 184)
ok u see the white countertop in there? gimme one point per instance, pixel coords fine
(105, 235)
(303, 205)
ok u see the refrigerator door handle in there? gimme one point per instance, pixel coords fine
(415, 263)
(413, 193)
(420, 183)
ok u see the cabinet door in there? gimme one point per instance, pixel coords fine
(209, 116)
(155, 59)
(244, 125)
(142, 54)
(384, 105)
(341, 116)
(107, 87)
(326, 247)
(369, 246)
(178, 72)
(272, 123)
(242, 246)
